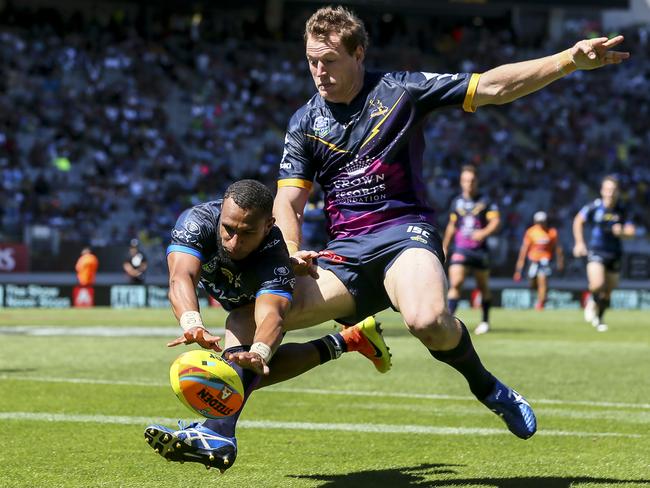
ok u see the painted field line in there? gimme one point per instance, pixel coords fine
(314, 391)
(96, 331)
(271, 424)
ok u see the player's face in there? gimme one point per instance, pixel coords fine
(468, 182)
(609, 192)
(337, 74)
(242, 231)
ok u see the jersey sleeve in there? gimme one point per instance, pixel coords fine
(274, 269)
(586, 211)
(492, 210)
(296, 167)
(193, 234)
(435, 90)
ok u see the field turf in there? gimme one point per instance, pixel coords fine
(73, 408)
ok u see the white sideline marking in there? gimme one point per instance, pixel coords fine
(271, 424)
(314, 391)
(97, 331)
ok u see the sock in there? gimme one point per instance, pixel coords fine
(485, 305)
(330, 347)
(453, 305)
(603, 304)
(463, 358)
(226, 425)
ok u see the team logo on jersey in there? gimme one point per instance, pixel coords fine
(378, 108)
(210, 266)
(281, 271)
(192, 227)
(232, 279)
(321, 126)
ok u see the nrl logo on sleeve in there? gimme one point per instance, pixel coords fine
(321, 126)
(281, 271)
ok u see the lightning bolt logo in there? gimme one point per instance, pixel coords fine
(375, 129)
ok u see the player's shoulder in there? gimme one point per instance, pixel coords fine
(273, 243)
(308, 112)
(206, 211)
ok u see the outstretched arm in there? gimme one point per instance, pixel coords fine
(288, 210)
(184, 274)
(512, 81)
(270, 311)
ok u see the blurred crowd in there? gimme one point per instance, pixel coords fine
(106, 133)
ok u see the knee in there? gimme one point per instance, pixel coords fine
(425, 322)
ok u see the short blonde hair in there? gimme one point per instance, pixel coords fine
(341, 21)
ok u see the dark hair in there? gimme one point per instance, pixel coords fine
(469, 168)
(341, 21)
(251, 195)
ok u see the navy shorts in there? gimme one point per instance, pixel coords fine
(479, 259)
(539, 268)
(361, 262)
(611, 260)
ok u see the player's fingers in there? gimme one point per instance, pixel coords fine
(614, 41)
(177, 341)
(313, 271)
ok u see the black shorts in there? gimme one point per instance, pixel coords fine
(361, 262)
(479, 259)
(611, 260)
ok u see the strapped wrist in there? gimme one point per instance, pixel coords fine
(191, 319)
(263, 350)
(292, 247)
(564, 62)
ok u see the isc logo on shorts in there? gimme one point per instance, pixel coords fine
(414, 229)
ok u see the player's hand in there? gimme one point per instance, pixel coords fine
(517, 276)
(478, 236)
(594, 53)
(304, 264)
(200, 336)
(617, 229)
(249, 360)
(580, 250)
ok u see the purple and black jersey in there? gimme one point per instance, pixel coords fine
(232, 283)
(602, 219)
(469, 215)
(367, 156)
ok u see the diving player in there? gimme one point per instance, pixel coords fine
(232, 249)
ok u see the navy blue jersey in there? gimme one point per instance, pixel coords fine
(367, 156)
(469, 215)
(601, 220)
(233, 283)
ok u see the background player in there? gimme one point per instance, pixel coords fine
(473, 218)
(609, 223)
(234, 251)
(540, 246)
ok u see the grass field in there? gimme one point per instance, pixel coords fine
(73, 409)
